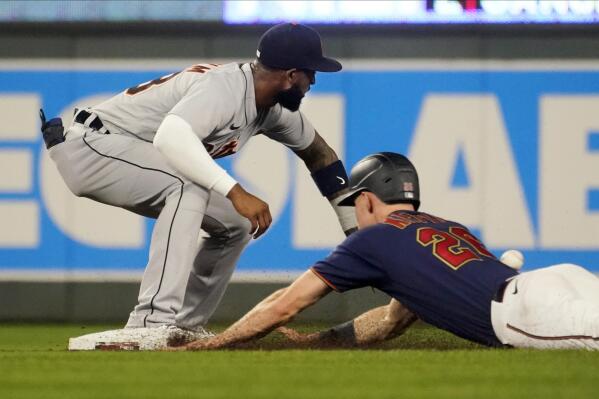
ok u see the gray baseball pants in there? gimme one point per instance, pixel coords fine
(188, 270)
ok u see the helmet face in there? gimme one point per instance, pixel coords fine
(389, 175)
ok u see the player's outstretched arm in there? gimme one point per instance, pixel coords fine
(330, 177)
(376, 325)
(276, 310)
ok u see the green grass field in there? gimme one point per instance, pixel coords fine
(424, 363)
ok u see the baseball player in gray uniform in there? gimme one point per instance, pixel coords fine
(151, 150)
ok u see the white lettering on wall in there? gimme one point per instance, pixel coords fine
(567, 171)
(449, 126)
(20, 224)
(494, 200)
(19, 218)
(19, 116)
(16, 170)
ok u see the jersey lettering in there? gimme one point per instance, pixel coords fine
(144, 86)
(465, 235)
(402, 220)
(228, 148)
(199, 68)
(446, 247)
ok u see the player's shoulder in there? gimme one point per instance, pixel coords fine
(226, 74)
(212, 70)
(369, 237)
(224, 81)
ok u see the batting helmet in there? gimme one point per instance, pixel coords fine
(389, 175)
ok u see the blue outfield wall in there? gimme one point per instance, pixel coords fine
(513, 153)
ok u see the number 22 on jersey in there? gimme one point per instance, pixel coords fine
(455, 247)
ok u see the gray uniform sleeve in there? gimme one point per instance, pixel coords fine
(292, 129)
(208, 106)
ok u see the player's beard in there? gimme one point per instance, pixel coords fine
(290, 98)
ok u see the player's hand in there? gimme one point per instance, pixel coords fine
(252, 208)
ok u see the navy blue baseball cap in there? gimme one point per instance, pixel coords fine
(290, 45)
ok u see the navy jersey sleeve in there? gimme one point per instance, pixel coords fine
(353, 264)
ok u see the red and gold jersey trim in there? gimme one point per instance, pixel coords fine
(324, 280)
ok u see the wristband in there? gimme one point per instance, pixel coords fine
(331, 179)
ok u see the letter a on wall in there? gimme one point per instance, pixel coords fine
(493, 201)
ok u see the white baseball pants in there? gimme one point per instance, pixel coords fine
(556, 307)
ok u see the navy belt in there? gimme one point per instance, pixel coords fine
(501, 290)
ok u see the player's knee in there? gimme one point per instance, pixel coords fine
(243, 230)
(239, 227)
(231, 227)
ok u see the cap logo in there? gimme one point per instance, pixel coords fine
(258, 53)
(408, 186)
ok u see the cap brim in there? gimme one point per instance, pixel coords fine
(350, 198)
(325, 64)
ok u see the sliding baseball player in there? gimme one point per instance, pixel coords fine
(435, 270)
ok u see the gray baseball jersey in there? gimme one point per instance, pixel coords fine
(217, 101)
(184, 279)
